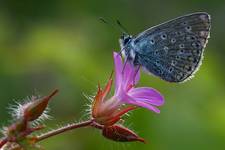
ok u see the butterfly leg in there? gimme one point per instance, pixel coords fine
(137, 68)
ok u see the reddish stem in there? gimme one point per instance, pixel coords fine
(3, 142)
(64, 129)
(97, 126)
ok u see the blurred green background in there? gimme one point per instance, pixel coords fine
(48, 44)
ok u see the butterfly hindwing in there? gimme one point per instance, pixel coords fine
(173, 50)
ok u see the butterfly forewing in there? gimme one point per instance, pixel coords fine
(173, 50)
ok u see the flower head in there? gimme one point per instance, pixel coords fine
(107, 111)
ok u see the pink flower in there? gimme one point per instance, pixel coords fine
(107, 111)
(126, 79)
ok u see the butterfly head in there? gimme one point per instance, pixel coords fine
(126, 47)
(125, 39)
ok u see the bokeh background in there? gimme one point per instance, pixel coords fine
(48, 44)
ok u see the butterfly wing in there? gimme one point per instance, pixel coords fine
(173, 50)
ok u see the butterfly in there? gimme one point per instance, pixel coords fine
(173, 50)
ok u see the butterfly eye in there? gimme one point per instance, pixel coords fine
(126, 40)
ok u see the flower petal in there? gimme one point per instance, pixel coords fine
(125, 98)
(118, 70)
(137, 75)
(131, 74)
(126, 77)
(147, 95)
(126, 73)
(145, 105)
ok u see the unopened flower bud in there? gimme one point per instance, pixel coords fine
(35, 109)
(120, 134)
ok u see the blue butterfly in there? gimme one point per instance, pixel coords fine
(173, 50)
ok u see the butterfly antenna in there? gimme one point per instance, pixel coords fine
(103, 20)
(122, 28)
(112, 25)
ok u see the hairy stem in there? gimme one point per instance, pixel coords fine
(64, 129)
(97, 126)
